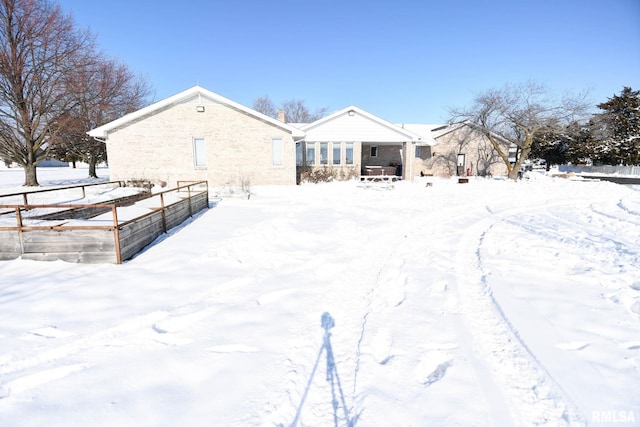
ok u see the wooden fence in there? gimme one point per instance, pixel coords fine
(104, 239)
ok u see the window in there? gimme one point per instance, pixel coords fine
(373, 151)
(276, 151)
(348, 151)
(337, 158)
(311, 154)
(418, 152)
(199, 153)
(324, 153)
(299, 154)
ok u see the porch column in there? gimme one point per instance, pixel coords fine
(407, 160)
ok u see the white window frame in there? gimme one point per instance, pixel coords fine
(310, 147)
(336, 160)
(324, 153)
(277, 152)
(199, 153)
(349, 147)
(373, 151)
(299, 154)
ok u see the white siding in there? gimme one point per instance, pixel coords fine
(354, 128)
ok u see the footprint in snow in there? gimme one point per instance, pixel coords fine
(438, 373)
(169, 339)
(631, 345)
(381, 346)
(51, 332)
(432, 367)
(573, 346)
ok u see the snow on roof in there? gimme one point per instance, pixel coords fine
(424, 130)
(103, 131)
(365, 127)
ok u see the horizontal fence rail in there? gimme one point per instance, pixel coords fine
(105, 238)
(605, 170)
(24, 195)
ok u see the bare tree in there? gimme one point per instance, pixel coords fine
(515, 115)
(486, 157)
(265, 105)
(40, 51)
(105, 91)
(296, 111)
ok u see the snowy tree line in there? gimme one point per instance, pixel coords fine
(610, 137)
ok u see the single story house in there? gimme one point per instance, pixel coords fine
(200, 135)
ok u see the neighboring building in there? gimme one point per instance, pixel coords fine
(199, 135)
(460, 149)
(52, 163)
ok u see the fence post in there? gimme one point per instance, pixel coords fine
(164, 215)
(20, 236)
(116, 234)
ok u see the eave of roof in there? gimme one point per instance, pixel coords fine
(423, 130)
(103, 131)
(411, 136)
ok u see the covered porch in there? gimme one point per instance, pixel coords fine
(352, 143)
(382, 161)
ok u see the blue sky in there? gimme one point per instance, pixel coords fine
(407, 61)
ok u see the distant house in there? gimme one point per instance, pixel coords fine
(52, 163)
(199, 135)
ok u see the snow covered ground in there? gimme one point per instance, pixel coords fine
(493, 303)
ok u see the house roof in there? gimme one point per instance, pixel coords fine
(354, 124)
(184, 96)
(452, 127)
(428, 132)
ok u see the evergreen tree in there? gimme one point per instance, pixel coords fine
(618, 129)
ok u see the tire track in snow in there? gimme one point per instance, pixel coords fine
(506, 369)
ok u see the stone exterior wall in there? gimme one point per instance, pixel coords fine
(387, 155)
(238, 147)
(441, 160)
(422, 160)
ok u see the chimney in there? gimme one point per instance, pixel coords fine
(281, 116)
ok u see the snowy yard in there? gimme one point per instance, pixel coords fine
(493, 303)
